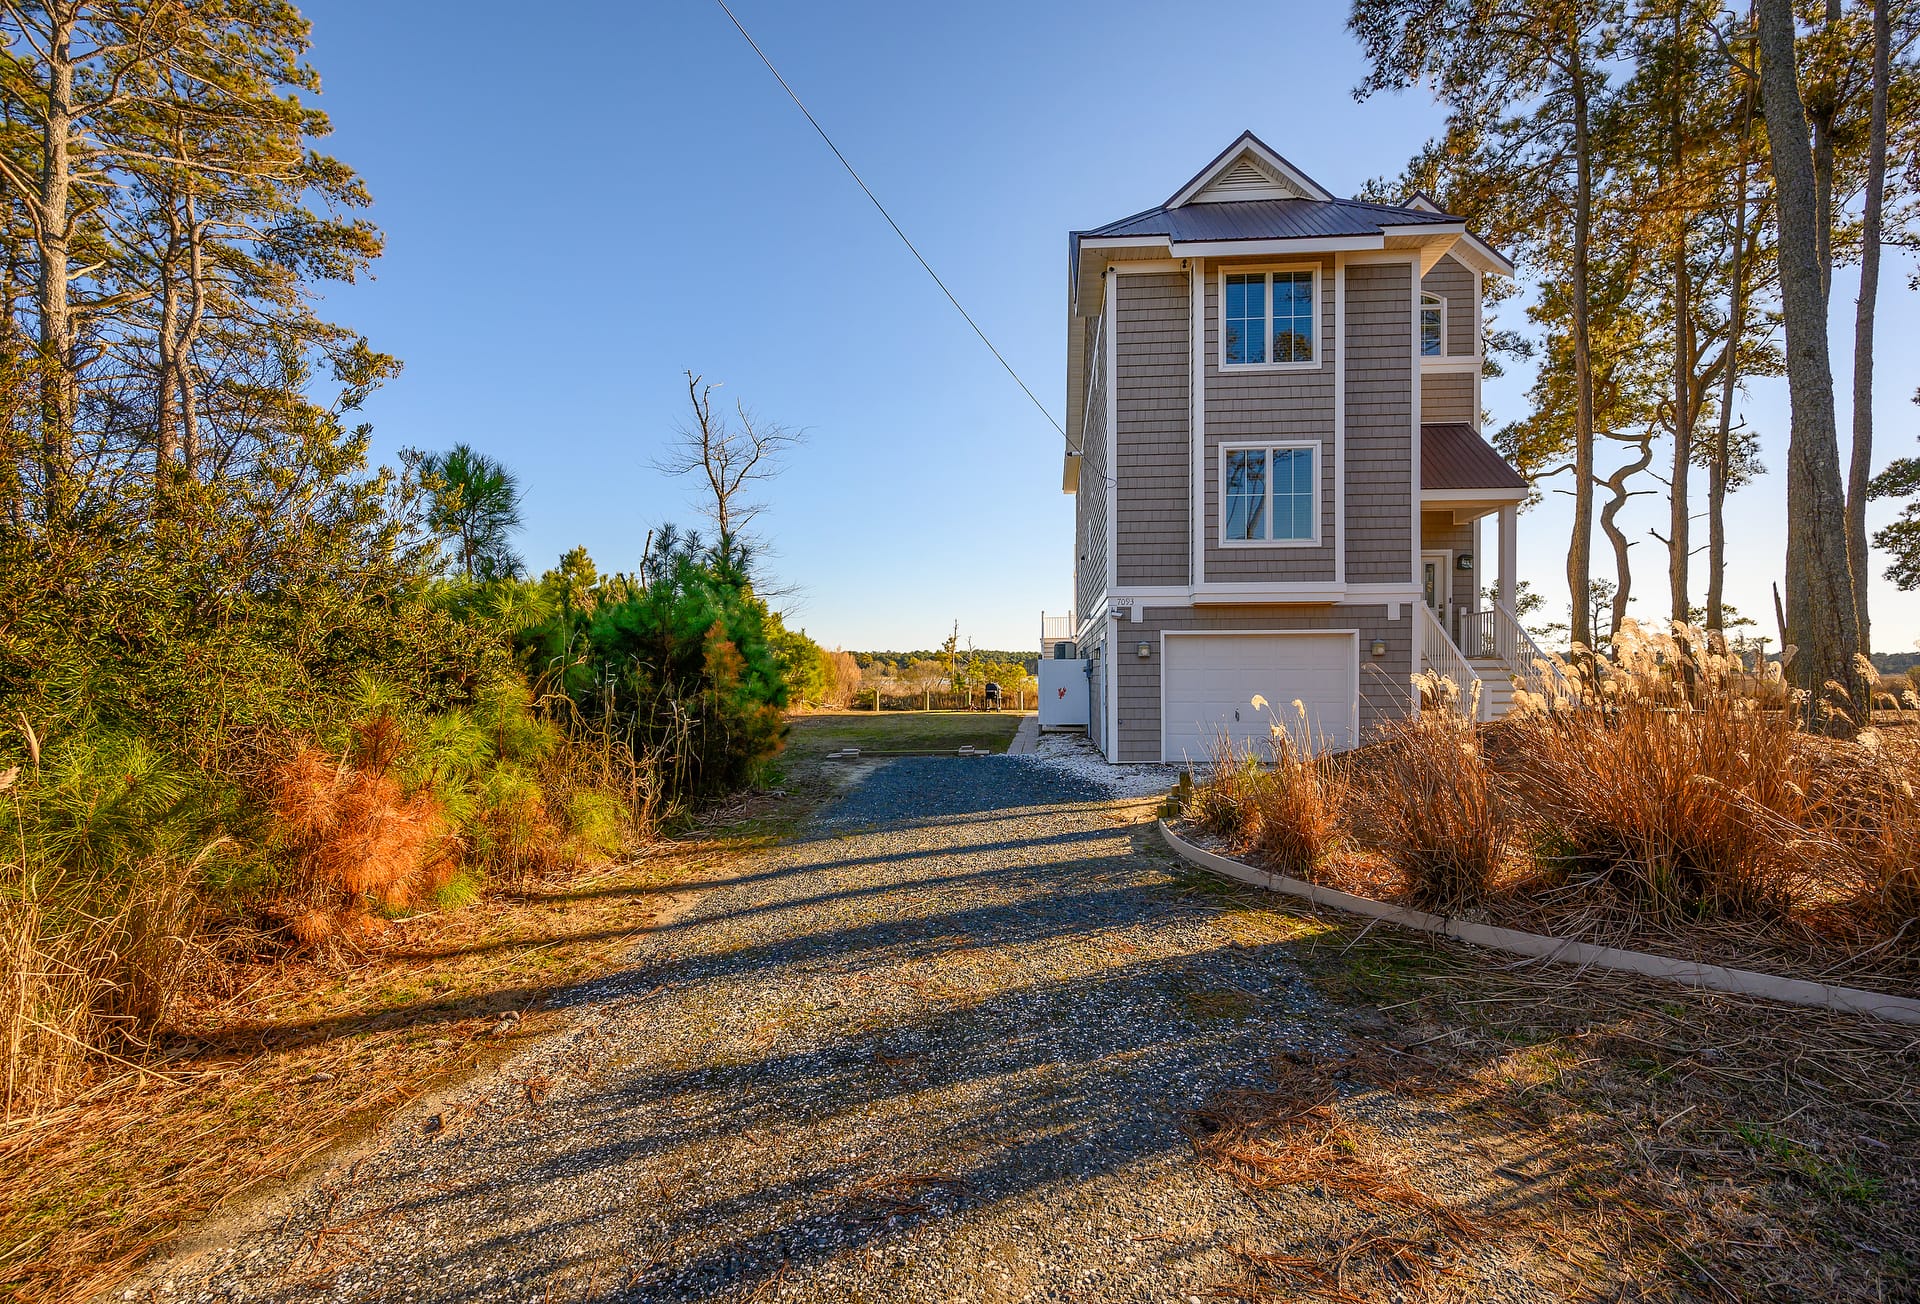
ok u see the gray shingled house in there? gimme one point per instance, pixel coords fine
(1273, 402)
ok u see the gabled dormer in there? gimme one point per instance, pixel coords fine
(1249, 202)
(1248, 169)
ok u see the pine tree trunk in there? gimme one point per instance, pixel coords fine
(60, 393)
(1679, 535)
(1609, 514)
(189, 336)
(1819, 585)
(1860, 465)
(1718, 470)
(1580, 553)
(1823, 116)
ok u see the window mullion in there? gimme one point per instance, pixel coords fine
(1268, 454)
(1271, 359)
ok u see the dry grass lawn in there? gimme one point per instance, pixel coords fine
(1624, 1138)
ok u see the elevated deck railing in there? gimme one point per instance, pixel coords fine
(1055, 629)
(1481, 636)
(1536, 671)
(1496, 634)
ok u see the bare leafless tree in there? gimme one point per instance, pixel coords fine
(731, 455)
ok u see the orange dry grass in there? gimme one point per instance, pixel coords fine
(1298, 809)
(1434, 813)
(358, 837)
(1676, 790)
(1287, 807)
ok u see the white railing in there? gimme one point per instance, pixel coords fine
(1439, 655)
(1480, 635)
(1537, 671)
(1055, 629)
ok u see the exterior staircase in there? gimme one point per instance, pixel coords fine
(1496, 686)
(1493, 657)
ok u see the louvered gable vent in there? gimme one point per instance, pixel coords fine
(1242, 176)
(1245, 179)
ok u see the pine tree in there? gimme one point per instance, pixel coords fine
(1525, 89)
(1820, 610)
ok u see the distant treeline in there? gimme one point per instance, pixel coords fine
(901, 660)
(1895, 663)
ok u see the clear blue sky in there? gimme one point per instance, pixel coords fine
(578, 210)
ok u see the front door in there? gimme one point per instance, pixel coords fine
(1434, 582)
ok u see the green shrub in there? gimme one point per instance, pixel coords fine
(679, 666)
(597, 822)
(458, 892)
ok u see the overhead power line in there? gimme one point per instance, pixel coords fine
(998, 356)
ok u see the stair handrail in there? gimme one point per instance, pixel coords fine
(1538, 672)
(1439, 656)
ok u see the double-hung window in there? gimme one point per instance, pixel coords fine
(1269, 494)
(1433, 326)
(1267, 318)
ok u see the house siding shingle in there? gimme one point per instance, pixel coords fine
(1438, 532)
(1152, 446)
(1379, 433)
(1090, 500)
(1454, 282)
(1448, 396)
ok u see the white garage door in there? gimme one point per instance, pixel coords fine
(1210, 681)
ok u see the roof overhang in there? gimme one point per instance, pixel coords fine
(1469, 505)
(1473, 252)
(1430, 243)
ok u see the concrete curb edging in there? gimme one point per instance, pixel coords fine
(1561, 950)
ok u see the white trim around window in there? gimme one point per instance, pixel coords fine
(1316, 474)
(1436, 304)
(1267, 271)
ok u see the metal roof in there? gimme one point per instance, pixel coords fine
(1267, 219)
(1453, 456)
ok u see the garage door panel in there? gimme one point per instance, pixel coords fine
(1212, 679)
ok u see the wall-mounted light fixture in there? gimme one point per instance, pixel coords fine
(1464, 562)
(1379, 648)
(1144, 650)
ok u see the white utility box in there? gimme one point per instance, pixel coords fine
(1063, 694)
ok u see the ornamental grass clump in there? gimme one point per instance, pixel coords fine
(1434, 809)
(1671, 787)
(1223, 805)
(1298, 800)
(1869, 792)
(1286, 808)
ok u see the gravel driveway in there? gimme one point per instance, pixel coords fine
(939, 1047)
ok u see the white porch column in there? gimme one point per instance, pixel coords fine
(1509, 555)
